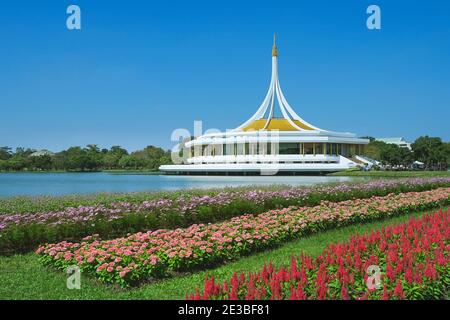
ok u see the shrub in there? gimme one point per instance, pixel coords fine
(413, 259)
(139, 256)
(119, 218)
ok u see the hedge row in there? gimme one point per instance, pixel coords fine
(139, 256)
(24, 232)
(411, 261)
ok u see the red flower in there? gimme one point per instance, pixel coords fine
(398, 291)
(309, 278)
(344, 293)
(385, 295)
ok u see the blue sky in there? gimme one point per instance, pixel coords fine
(140, 69)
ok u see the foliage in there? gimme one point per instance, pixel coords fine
(392, 174)
(413, 260)
(432, 151)
(24, 231)
(5, 153)
(23, 277)
(373, 149)
(138, 256)
(90, 158)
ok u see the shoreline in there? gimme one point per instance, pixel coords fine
(334, 174)
(99, 171)
(390, 174)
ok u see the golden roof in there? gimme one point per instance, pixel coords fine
(276, 124)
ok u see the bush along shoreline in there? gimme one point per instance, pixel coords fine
(137, 257)
(184, 200)
(413, 259)
(23, 232)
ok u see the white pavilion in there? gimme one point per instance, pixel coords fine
(268, 145)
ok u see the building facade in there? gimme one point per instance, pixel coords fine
(266, 144)
(399, 141)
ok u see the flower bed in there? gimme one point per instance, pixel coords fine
(413, 259)
(157, 253)
(24, 231)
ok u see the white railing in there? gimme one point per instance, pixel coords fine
(264, 158)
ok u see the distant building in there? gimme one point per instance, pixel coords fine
(41, 153)
(397, 141)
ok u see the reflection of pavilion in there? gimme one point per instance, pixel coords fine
(265, 143)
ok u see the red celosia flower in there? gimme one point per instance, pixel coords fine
(398, 291)
(309, 278)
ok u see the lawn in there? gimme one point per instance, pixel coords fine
(392, 174)
(23, 277)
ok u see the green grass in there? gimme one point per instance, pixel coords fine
(133, 171)
(23, 277)
(391, 174)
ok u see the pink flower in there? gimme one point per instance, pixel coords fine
(154, 260)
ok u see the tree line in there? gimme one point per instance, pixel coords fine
(90, 158)
(431, 151)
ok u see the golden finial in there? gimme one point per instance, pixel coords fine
(274, 48)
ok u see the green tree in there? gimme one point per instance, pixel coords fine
(3, 165)
(94, 158)
(17, 163)
(78, 159)
(24, 152)
(152, 157)
(373, 149)
(59, 161)
(41, 162)
(446, 148)
(112, 157)
(130, 162)
(431, 151)
(395, 155)
(5, 153)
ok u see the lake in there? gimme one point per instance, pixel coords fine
(32, 184)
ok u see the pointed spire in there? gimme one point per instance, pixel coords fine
(274, 48)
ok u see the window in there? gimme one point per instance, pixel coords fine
(329, 149)
(253, 148)
(228, 149)
(218, 149)
(209, 150)
(240, 149)
(262, 148)
(334, 148)
(319, 148)
(308, 148)
(352, 150)
(289, 148)
(344, 150)
(197, 151)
